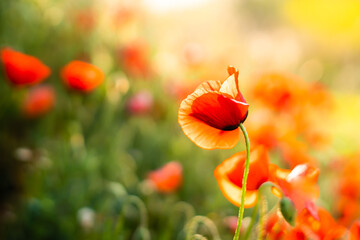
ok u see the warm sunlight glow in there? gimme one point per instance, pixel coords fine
(161, 6)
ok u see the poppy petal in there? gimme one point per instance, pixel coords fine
(205, 123)
(82, 76)
(206, 136)
(167, 178)
(233, 193)
(22, 69)
(231, 87)
(212, 85)
(229, 175)
(355, 231)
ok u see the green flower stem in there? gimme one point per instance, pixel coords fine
(193, 225)
(252, 222)
(263, 208)
(246, 173)
(262, 217)
(141, 207)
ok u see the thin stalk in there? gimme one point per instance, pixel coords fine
(252, 222)
(246, 173)
(262, 218)
(194, 224)
(263, 208)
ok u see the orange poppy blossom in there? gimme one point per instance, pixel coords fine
(348, 209)
(264, 134)
(355, 231)
(39, 101)
(82, 76)
(295, 234)
(134, 59)
(22, 69)
(325, 227)
(210, 116)
(298, 184)
(278, 91)
(229, 175)
(295, 152)
(85, 20)
(348, 204)
(167, 178)
(276, 227)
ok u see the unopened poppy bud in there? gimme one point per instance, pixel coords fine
(288, 210)
(82, 76)
(22, 69)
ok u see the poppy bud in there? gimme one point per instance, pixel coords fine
(22, 69)
(288, 210)
(82, 76)
(39, 101)
(168, 178)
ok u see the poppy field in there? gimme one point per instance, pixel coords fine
(206, 119)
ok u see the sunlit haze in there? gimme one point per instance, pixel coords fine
(161, 6)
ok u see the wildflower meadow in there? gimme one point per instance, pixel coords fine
(180, 120)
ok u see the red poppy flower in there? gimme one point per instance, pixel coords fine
(39, 101)
(82, 76)
(168, 178)
(140, 103)
(22, 69)
(295, 152)
(325, 227)
(124, 13)
(229, 175)
(278, 91)
(348, 190)
(264, 134)
(298, 184)
(348, 209)
(134, 58)
(295, 234)
(276, 227)
(211, 115)
(85, 20)
(355, 231)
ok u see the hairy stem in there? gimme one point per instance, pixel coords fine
(246, 173)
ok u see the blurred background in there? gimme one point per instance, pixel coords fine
(81, 169)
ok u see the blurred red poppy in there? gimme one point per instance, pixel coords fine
(140, 103)
(22, 69)
(167, 178)
(295, 234)
(278, 91)
(85, 19)
(348, 204)
(124, 13)
(264, 134)
(82, 76)
(39, 101)
(211, 115)
(295, 152)
(229, 175)
(325, 227)
(134, 58)
(276, 227)
(355, 231)
(299, 184)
